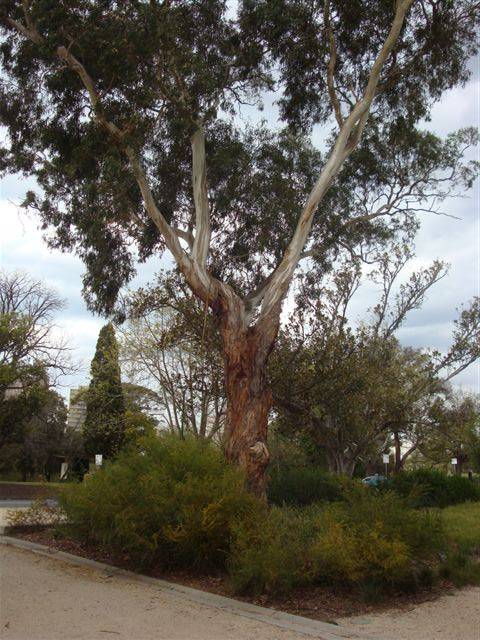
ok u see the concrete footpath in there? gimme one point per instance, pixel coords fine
(49, 595)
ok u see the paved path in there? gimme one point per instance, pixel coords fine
(14, 503)
(450, 617)
(48, 599)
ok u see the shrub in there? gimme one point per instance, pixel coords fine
(292, 485)
(432, 488)
(272, 555)
(171, 501)
(375, 539)
(370, 540)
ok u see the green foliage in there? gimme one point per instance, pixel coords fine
(461, 568)
(432, 488)
(138, 425)
(370, 540)
(177, 503)
(32, 415)
(45, 438)
(462, 524)
(104, 427)
(197, 62)
(272, 556)
(342, 390)
(294, 485)
(173, 501)
(456, 419)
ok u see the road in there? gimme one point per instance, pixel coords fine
(16, 504)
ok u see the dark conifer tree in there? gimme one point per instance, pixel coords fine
(104, 428)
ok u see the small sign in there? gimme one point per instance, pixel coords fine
(64, 471)
(386, 458)
(98, 459)
(454, 461)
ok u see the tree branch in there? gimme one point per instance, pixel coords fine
(193, 270)
(75, 65)
(197, 277)
(331, 66)
(28, 31)
(347, 139)
(202, 215)
(184, 235)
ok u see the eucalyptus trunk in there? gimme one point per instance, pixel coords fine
(249, 397)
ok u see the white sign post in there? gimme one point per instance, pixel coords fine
(454, 464)
(386, 460)
(98, 459)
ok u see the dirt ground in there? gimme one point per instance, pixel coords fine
(451, 617)
(47, 599)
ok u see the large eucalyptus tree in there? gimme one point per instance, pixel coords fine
(123, 110)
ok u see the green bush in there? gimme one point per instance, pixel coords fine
(272, 555)
(171, 501)
(375, 539)
(370, 539)
(300, 486)
(432, 488)
(178, 503)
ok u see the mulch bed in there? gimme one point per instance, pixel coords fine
(319, 603)
(25, 491)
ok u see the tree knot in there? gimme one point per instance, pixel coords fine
(259, 452)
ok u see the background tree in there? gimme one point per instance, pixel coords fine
(118, 97)
(141, 412)
(170, 346)
(104, 427)
(28, 345)
(338, 393)
(32, 359)
(44, 444)
(454, 432)
(355, 390)
(427, 381)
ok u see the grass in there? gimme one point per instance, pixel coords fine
(462, 523)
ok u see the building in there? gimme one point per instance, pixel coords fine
(77, 408)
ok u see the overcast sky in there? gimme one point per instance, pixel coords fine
(456, 241)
